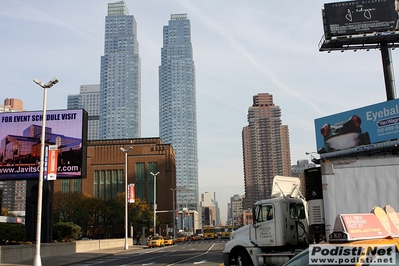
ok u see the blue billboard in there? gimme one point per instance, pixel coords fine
(366, 125)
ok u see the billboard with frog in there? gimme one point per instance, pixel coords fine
(362, 126)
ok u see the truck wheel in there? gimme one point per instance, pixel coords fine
(242, 259)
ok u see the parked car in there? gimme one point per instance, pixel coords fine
(168, 240)
(156, 241)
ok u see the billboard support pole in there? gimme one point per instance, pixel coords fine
(388, 71)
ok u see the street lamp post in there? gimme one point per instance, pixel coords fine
(174, 212)
(37, 261)
(182, 213)
(126, 189)
(155, 199)
(188, 216)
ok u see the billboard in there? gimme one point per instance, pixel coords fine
(362, 126)
(359, 17)
(20, 144)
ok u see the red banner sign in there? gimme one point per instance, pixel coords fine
(131, 195)
(380, 223)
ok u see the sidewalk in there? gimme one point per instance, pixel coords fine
(76, 257)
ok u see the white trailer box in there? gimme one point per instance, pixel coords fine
(356, 185)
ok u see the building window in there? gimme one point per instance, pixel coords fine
(140, 181)
(121, 187)
(108, 188)
(102, 181)
(65, 185)
(96, 179)
(152, 167)
(115, 188)
(77, 185)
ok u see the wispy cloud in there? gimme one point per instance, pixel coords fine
(23, 11)
(218, 27)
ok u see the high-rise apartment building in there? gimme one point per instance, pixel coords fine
(266, 149)
(88, 99)
(209, 210)
(236, 211)
(14, 192)
(177, 106)
(120, 77)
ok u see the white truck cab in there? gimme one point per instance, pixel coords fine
(279, 228)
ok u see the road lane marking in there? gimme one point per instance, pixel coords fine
(200, 262)
(193, 256)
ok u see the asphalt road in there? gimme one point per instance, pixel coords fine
(203, 252)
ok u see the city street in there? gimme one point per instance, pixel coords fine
(203, 252)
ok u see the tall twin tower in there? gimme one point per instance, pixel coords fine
(114, 107)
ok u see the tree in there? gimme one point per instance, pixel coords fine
(114, 214)
(97, 217)
(68, 207)
(66, 231)
(140, 214)
(4, 211)
(95, 208)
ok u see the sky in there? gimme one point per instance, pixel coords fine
(241, 48)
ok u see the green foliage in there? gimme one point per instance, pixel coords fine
(99, 218)
(12, 233)
(69, 207)
(66, 231)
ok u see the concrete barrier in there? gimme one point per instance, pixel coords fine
(13, 253)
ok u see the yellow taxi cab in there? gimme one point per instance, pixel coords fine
(195, 237)
(168, 241)
(156, 241)
(180, 238)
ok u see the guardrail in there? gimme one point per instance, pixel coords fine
(13, 253)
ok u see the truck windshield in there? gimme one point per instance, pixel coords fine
(264, 213)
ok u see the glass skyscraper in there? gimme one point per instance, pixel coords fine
(88, 99)
(177, 107)
(120, 77)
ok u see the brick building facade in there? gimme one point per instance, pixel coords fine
(105, 173)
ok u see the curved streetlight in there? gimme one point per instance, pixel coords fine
(126, 189)
(38, 261)
(155, 199)
(313, 158)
